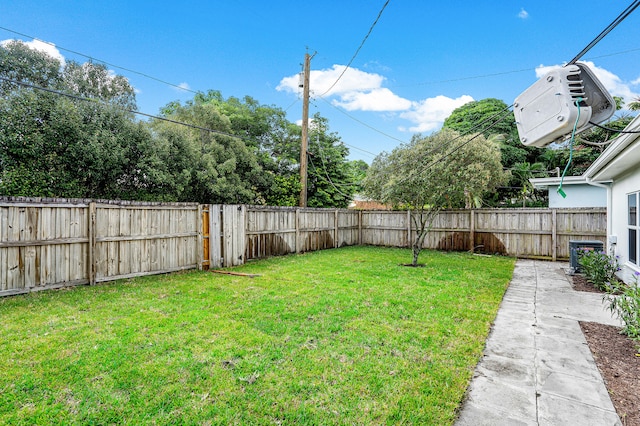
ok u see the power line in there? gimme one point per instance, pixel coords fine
(362, 122)
(91, 58)
(504, 113)
(328, 179)
(358, 50)
(81, 98)
(609, 129)
(606, 31)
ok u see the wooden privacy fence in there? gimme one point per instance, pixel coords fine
(527, 233)
(56, 243)
(272, 231)
(68, 242)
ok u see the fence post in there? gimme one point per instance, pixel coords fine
(554, 235)
(215, 240)
(335, 229)
(199, 239)
(408, 228)
(92, 243)
(472, 231)
(297, 230)
(359, 227)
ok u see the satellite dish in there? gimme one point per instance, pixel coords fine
(565, 97)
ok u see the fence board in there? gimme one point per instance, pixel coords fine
(215, 240)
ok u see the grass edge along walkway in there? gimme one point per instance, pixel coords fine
(344, 336)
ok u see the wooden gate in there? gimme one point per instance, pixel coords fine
(223, 234)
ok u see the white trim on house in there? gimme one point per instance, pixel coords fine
(621, 157)
(620, 165)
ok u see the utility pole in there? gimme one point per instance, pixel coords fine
(305, 130)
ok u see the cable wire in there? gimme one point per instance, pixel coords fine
(502, 115)
(358, 50)
(608, 129)
(606, 31)
(92, 59)
(505, 112)
(81, 98)
(326, 173)
(573, 137)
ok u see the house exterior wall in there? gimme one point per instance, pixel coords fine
(619, 212)
(578, 196)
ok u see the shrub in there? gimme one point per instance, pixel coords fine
(624, 301)
(598, 268)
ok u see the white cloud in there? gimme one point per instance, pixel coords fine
(182, 87)
(373, 100)
(429, 114)
(636, 82)
(321, 80)
(48, 48)
(358, 90)
(523, 14)
(614, 84)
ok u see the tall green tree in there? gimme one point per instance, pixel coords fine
(51, 145)
(95, 81)
(488, 116)
(212, 166)
(330, 182)
(428, 174)
(19, 62)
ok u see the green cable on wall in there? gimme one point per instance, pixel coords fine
(573, 137)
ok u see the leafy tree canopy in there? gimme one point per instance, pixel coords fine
(56, 146)
(443, 170)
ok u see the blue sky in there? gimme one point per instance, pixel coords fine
(422, 59)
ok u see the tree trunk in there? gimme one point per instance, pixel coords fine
(416, 253)
(417, 245)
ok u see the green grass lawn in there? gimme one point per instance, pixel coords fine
(342, 336)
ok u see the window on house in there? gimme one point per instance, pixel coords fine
(633, 227)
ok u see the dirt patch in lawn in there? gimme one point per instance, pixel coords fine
(617, 359)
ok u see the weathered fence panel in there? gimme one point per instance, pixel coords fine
(385, 228)
(348, 228)
(134, 240)
(42, 246)
(47, 244)
(233, 229)
(450, 231)
(51, 244)
(527, 233)
(588, 225)
(272, 231)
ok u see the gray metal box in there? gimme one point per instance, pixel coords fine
(574, 245)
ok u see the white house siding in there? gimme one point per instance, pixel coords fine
(619, 223)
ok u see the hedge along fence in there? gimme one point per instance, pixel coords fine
(52, 243)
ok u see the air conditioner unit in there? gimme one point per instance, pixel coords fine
(576, 245)
(548, 110)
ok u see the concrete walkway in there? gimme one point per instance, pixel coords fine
(537, 368)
